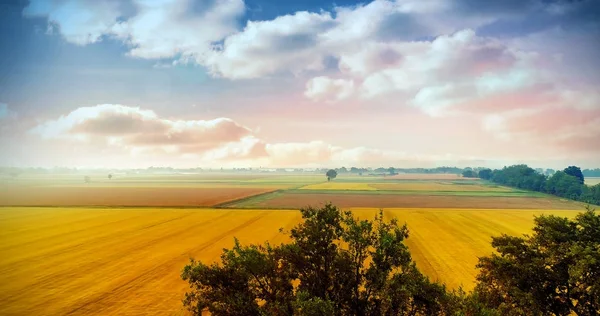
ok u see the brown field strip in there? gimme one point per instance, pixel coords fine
(437, 186)
(127, 261)
(287, 200)
(124, 196)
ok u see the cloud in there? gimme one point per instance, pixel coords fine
(80, 22)
(161, 29)
(141, 130)
(289, 42)
(175, 28)
(327, 89)
(558, 124)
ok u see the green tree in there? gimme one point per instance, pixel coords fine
(555, 271)
(331, 174)
(469, 174)
(485, 174)
(575, 172)
(335, 264)
(564, 185)
(391, 170)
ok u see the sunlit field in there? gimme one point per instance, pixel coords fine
(592, 181)
(58, 261)
(117, 246)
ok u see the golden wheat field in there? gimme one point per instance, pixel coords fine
(72, 261)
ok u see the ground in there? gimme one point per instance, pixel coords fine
(75, 259)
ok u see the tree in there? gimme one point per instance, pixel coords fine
(392, 171)
(87, 179)
(322, 271)
(485, 174)
(331, 174)
(575, 172)
(110, 176)
(555, 271)
(469, 174)
(564, 185)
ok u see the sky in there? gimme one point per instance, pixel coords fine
(314, 83)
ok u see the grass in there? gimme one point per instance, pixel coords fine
(99, 261)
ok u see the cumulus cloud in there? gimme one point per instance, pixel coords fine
(141, 130)
(174, 28)
(510, 63)
(289, 42)
(180, 29)
(327, 89)
(114, 130)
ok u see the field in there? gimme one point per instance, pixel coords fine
(117, 247)
(294, 200)
(74, 261)
(141, 190)
(592, 181)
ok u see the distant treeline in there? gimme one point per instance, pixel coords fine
(155, 170)
(592, 172)
(568, 183)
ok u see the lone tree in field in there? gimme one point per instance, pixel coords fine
(87, 179)
(334, 265)
(331, 174)
(555, 271)
(110, 176)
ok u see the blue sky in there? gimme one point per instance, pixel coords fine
(300, 83)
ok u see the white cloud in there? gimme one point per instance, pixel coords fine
(290, 43)
(140, 130)
(169, 29)
(80, 22)
(327, 89)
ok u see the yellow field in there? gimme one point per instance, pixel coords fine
(58, 261)
(592, 180)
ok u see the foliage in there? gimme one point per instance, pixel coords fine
(591, 194)
(564, 185)
(331, 174)
(485, 174)
(470, 174)
(87, 179)
(555, 271)
(334, 265)
(520, 176)
(567, 184)
(575, 172)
